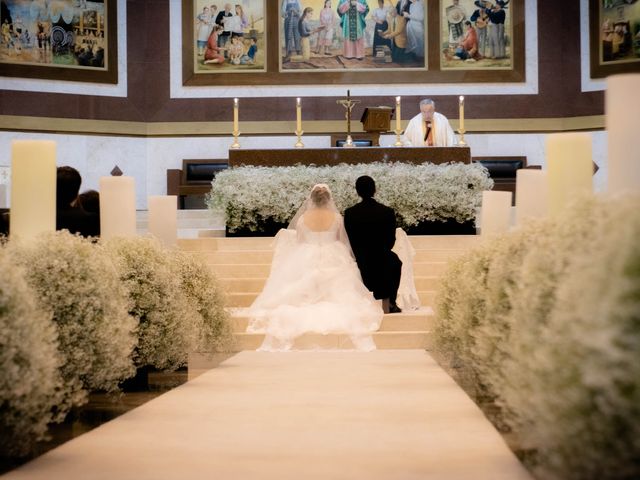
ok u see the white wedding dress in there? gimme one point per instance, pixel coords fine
(314, 287)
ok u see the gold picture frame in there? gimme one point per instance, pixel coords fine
(71, 40)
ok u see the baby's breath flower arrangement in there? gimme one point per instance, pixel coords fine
(249, 196)
(202, 291)
(557, 337)
(78, 283)
(168, 324)
(30, 384)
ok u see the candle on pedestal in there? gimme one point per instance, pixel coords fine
(117, 207)
(622, 104)
(570, 168)
(531, 194)
(461, 108)
(33, 187)
(235, 115)
(163, 218)
(298, 115)
(398, 115)
(496, 212)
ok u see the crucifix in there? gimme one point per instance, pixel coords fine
(348, 104)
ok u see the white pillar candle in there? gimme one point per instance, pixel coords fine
(117, 207)
(398, 116)
(496, 212)
(33, 188)
(622, 108)
(461, 105)
(570, 168)
(298, 115)
(163, 219)
(235, 115)
(532, 193)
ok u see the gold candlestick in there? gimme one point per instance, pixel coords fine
(461, 130)
(236, 130)
(348, 104)
(398, 140)
(236, 143)
(461, 142)
(299, 143)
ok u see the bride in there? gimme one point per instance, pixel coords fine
(314, 285)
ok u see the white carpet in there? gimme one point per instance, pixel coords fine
(390, 414)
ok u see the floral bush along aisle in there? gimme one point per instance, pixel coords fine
(546, 322)
(30, 383)
(76, 281)
(79, 316)
(252, 197)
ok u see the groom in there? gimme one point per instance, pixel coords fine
(371, 228)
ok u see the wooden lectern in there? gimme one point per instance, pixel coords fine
(376, 120)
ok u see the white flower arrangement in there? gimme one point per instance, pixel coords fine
(168, 323)
(30, 384)
(202, 290)
(551, 330)
(251, 195)
(75, 280)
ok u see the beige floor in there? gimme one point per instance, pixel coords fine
(300, 415)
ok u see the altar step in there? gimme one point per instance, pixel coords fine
(420, 320)
(312, 341)
(242, 266)
(431, 242)
(192, 223)
(245, 299)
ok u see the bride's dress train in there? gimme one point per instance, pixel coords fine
(314, 287)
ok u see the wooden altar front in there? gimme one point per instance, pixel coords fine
(335, 156)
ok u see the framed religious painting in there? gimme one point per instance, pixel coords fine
(228, 37)
(73, 40)
(352, 35)
(614, 37)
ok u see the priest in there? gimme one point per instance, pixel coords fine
(429, 128)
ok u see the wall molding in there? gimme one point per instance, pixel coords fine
(284, 128)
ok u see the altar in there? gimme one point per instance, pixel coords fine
(335, 156)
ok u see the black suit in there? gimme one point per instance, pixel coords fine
(76, 220)
(371, 227)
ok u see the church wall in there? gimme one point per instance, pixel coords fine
(143, 127)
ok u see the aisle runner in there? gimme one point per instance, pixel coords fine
(382, 415)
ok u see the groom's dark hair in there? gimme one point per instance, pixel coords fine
(365, 186)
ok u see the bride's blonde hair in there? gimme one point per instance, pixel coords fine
(320, 195)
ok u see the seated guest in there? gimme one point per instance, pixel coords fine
(69, 215)
(89, 201)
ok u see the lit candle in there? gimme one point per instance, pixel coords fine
(398, 114)
(117, 207)
(33, 187)
(461, 113)
(621, 107)
(496, 212)
(298, 115)
(531, 194)
(235, 115)
(163, 218)
(570, 168)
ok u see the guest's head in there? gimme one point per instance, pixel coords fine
(427, 108)
(67, 186)
(90, 201)
(365, 186)
(320, 195)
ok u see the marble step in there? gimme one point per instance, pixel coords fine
(230, 271)
(437, 242)
(419, 321)
(256, 284)
(245, 299)
(312, 341)
(266, 256)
